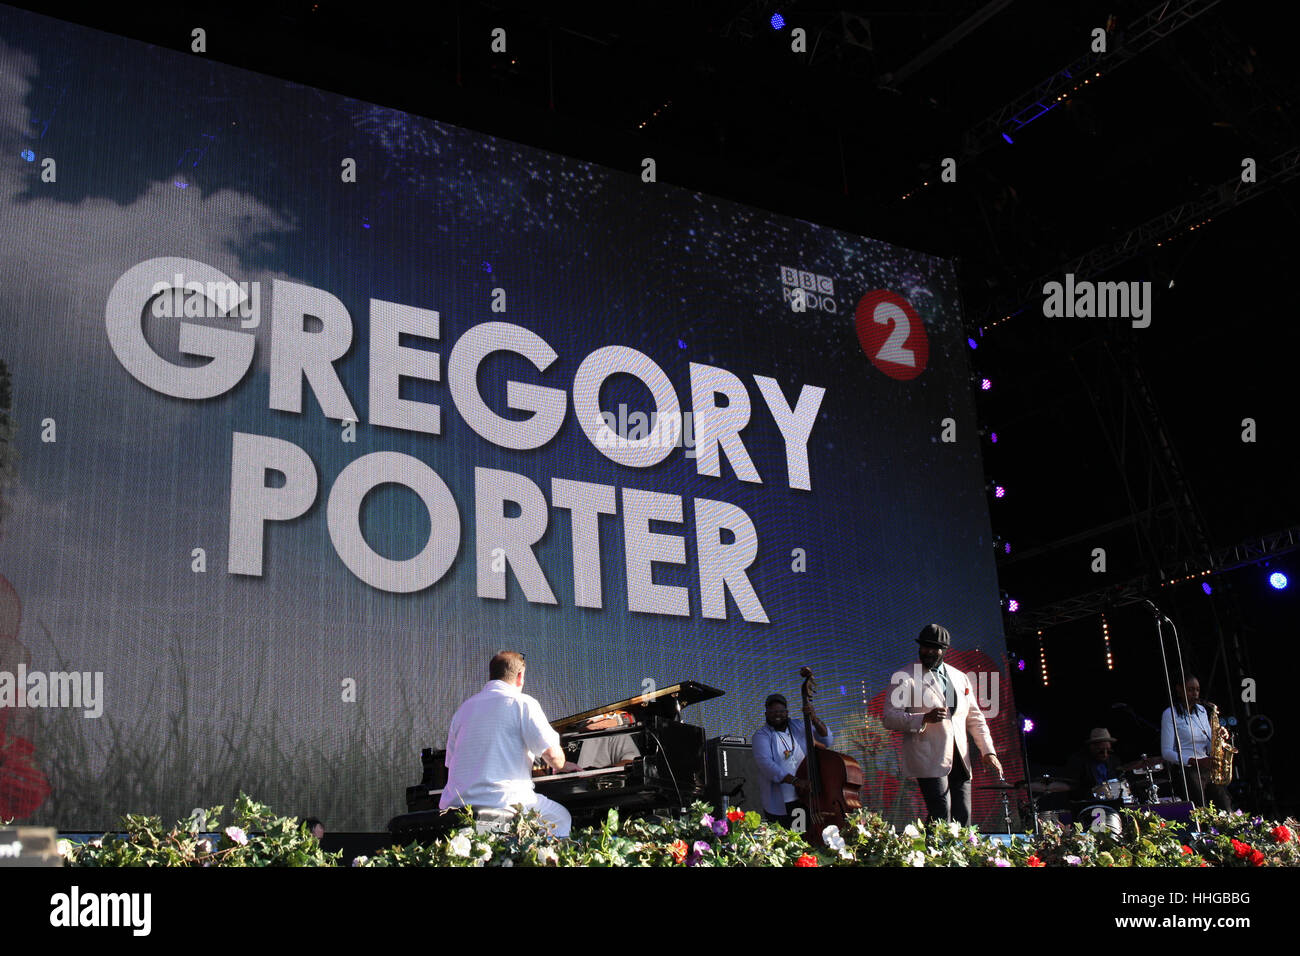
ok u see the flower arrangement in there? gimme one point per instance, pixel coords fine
(700, 836)
(257, 837)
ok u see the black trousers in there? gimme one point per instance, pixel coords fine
(1201, 792)
(787, 819)
(948, 798)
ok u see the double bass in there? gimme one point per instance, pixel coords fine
(834, 779)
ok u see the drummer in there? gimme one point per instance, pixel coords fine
(1092, 765)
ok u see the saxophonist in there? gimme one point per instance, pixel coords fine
(1186, 741)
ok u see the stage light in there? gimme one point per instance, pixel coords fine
(986, 384)
(1277, 580)
(28, 155)
(999, 492)
(1013, 605)
(1006, 547)
(778, 21)
(1205, 586)
(993, 437)
(971, 343)
(1105, 636)
(1027, 725)
(1020, 664)
(1007, 138)
(487, 267)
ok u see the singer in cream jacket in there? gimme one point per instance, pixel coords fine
(927, 749)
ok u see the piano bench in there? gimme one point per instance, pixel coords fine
(493, 820)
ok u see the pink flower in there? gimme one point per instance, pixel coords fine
(237, 835)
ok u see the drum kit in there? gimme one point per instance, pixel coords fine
(1138, 786)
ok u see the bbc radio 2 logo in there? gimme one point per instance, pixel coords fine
(803, 290)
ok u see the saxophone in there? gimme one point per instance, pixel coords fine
(1221, 749)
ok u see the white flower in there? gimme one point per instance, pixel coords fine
(916, 858)
(1073, 860)
(96, 843)
(911, 831)
(360, 860)
(237, 835)
(459, 846)
(63, 847)
(548, 857)
(507, 862)
(846, 853)
(832, 838)
(204, 846)
(484, 852)
(954, 828)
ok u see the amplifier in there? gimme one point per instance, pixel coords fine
(733, 775)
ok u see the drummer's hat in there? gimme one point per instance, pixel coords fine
(1099, 734)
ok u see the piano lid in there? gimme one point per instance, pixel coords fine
(662, 703)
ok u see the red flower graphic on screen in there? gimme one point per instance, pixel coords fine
(23, 788)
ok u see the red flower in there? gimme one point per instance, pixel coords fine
(1256, 858)
(735, 814)
(806, 860)
(1241, 849)
(1281, 834)
(1035, 861)
(1187, 850)
(678, 849)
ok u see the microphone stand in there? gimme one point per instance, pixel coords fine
(1200, 781)
(1169, 689)
(1024, 755)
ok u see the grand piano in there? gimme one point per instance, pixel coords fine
(670, 771)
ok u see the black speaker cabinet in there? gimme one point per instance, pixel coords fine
(733, 775)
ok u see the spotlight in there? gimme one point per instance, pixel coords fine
(1277, 580)
(1027, 725)
(778, 21)
(993, 437)
(1205, 586)
(1007, 138)
(1013, 605)
(1006, 547)
(1000, 492)
(1020, 664)
(986, 384)
(971, 343)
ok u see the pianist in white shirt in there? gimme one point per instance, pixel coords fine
(494, 738)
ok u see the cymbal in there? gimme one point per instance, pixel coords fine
(1049, 786)
(1145, 763)
(1000, 785)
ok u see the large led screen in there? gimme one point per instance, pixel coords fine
(313, 405)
